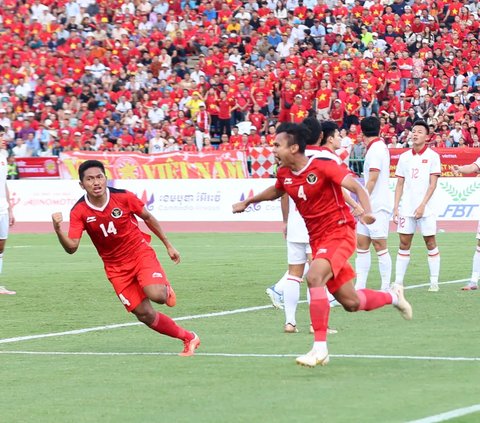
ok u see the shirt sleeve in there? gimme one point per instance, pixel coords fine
(376, 159)
(400, 171)
(135, 204)
(77, 226)
(436, 167)
(334, 172)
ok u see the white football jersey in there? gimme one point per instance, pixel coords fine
(416, 169)
(3, 181)
(378, 158)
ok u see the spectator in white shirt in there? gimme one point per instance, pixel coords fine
(155, 114)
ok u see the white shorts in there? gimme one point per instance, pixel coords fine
(4, 226)
(297, 252)
(408, 225)
(378, 229)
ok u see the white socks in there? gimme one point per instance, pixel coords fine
(291, 295)
(434, 265)
(475, 268)
(280, 284)
(1, 262)
(403, 258)
(385, 268)
(362, 267)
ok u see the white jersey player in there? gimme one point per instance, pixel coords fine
(376, 173)
(6, 215)
(417, 174)
(473, 284)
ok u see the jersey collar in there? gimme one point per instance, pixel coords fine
(421, 151)
(373, 141)
(101, 209)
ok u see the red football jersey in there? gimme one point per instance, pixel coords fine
(317, 193)
(113, 228)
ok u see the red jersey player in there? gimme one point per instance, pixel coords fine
(131, 265)
(315, 185)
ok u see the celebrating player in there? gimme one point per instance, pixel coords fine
(315, 185)
(377, 172)
(108, 216)
(417, 174)
(6, 214)
(473, 284)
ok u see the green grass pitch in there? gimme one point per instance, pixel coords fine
(256, 379)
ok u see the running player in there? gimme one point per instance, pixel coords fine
(108, 215)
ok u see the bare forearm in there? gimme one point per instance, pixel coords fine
(285, 208)
(270, 194)
(68, 244)
(398, 193)
(154, 225)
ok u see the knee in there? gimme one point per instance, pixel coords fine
(431, 244)
(147, 317)
(158, 296)
(351, 305)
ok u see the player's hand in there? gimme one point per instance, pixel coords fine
(395, 216)
(357, 211)
(239, 207)
(419, 211)
(57, 219)
(367, 218)
(173, 254)
(456, 170)
(11, 218)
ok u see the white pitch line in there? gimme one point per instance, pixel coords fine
(459, 412)
(192, 317)
(243, 355)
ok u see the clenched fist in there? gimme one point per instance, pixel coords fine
(57, 219)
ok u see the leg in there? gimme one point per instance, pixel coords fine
(291, 295)
(384, 262)
(4, 225)
(403, 257)
(473, 284)
(362, 261)
(433, 261)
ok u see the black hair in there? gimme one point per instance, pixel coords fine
(87, 165)
(422, 123)
(2, 129)
(370, 126)
(297, 134)
(329, 127)
(315, 128)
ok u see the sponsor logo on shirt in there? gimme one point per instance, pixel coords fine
(322, 251)
(287, 181)
(116, 213)
(91, 219)
(312, 178)
(157, 275)
(425, 161)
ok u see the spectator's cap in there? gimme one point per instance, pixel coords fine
(337, 100)
(299, 96)
(431, 18)
(444, 124)
(47, 122)
(164, 65)
(68, 112)
(374, 34)
(48, 103)
(309, 70)
(30, 114)
(402, 94)
(196, 93)
(292, 72)
(424, 80)
(425, 41)
(154, 102)
(233, 35)
(326, 73)
(368, 70)
(364, 81)
(87, 127)
(231, 78)
(224, 36)
(253, 128)
(3, 111)
(202, 104)
(65, 131)
(77, 133)
(325, 62)
(407, 7)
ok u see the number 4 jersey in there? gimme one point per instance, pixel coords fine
(317, 193)
(113, 228)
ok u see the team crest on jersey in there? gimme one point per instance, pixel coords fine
(116, 213)
(312, 178)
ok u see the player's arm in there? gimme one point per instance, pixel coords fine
(398, 197)
(357, 209)
(154, 225)
(69, 245)
(271, 193)
(432, 186)
(353, 186)
(11, 217)
(372, 180)
(470, 168)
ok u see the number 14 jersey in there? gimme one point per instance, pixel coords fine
(113, 228)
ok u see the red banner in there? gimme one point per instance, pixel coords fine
(211, 165)
(37, 167)
(448, 158)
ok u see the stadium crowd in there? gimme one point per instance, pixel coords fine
(158, 76)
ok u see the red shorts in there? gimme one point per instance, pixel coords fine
(337, 247)
(129, 278)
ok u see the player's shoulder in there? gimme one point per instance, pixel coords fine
(117, 191)
(79, 204)
(432, 152)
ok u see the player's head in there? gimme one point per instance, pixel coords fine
(420, 132)
(88, 164)
(289, 141)
(370, 126)
(315, 127)
(331, 134)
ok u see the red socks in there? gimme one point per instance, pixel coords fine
(319, 312)
(166, 326)
(370, 299)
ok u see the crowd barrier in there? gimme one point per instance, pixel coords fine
(204, 200)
